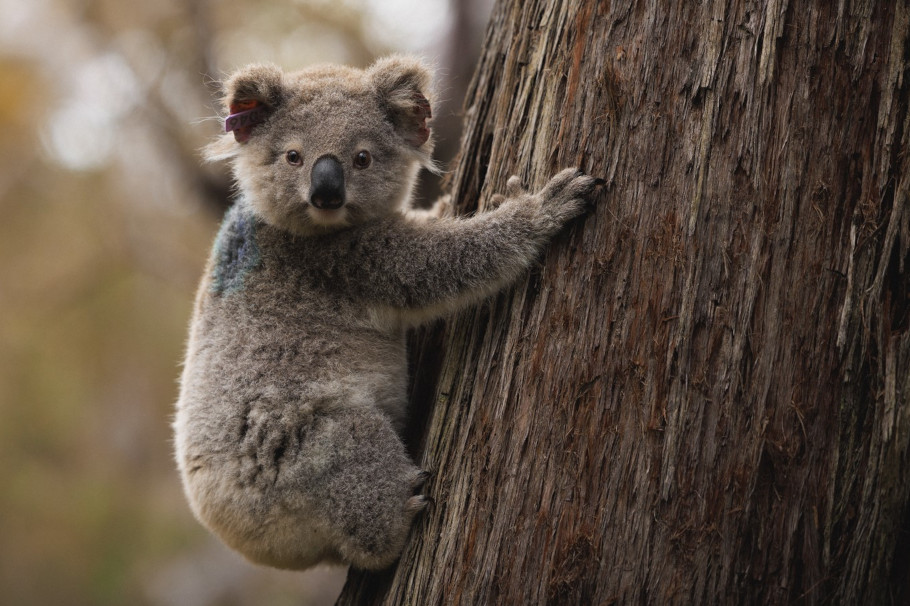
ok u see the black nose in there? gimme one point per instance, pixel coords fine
(327, 184)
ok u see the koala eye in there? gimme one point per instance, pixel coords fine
(363, 159)
(294, 158)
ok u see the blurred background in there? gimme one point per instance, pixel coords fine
(106, 217)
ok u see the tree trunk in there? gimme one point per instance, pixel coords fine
(703, 394)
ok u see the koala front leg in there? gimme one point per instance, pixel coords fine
(428, 268)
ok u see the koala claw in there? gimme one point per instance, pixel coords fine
(419, 503)
(421, 479)
(513, 186)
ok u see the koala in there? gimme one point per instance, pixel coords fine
(293, 391)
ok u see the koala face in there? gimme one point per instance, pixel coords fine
(327, 147)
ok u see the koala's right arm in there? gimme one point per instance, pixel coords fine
(436, 266)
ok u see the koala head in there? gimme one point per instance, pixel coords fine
(328, 146)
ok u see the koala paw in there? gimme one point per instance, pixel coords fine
(419, 502)
(420, 479)
(569, 194)
(443, 207)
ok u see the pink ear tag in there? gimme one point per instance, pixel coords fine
(245, 115)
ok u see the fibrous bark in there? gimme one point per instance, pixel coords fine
(703, 394)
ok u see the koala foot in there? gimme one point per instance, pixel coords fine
(419, 502)
(420, 480)
(372, 496)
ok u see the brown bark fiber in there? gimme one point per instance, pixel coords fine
(703, 394)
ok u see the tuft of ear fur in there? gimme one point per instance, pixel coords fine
(260, 82)
(404, 86)
(259, 85)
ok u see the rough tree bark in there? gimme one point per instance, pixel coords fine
(701, 396)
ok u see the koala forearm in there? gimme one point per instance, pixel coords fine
(446, 262)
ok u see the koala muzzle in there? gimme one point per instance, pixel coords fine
(327, 184)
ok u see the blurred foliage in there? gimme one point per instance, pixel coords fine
(108, 214)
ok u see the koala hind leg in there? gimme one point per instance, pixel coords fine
(369, 495)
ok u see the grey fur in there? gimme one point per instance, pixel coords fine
(293, 390)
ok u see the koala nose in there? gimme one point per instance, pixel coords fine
(327, 184)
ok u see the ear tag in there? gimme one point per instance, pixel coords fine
(245, 115)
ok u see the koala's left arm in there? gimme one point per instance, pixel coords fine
(440, 265)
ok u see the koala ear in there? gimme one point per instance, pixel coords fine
(250, 96)
(403, 84)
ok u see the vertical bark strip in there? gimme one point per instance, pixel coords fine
(703, 393)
